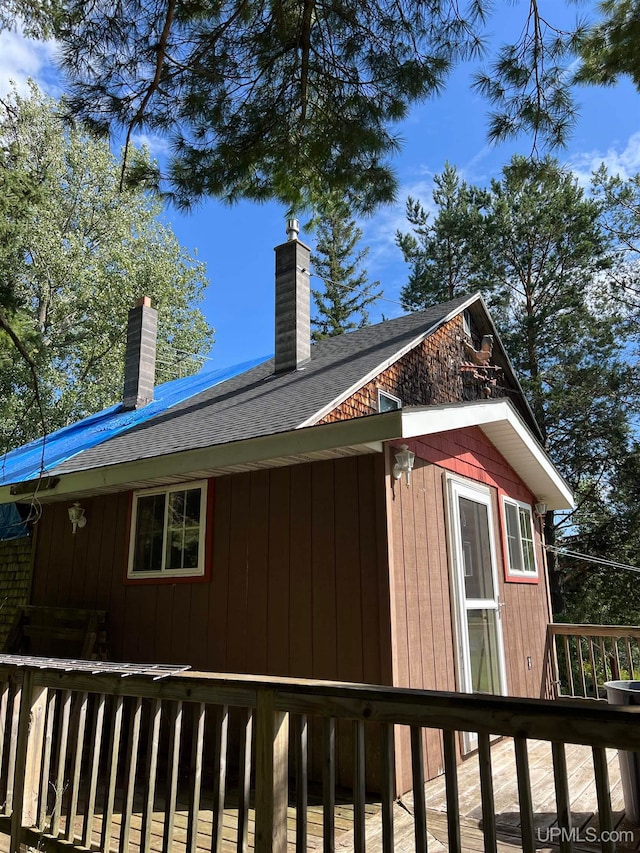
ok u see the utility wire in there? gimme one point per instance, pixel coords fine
(612, 564)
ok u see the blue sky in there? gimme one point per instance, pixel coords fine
(237, 242)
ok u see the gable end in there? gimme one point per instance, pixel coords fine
(436, 371)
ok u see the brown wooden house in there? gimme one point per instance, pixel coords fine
(271, 524)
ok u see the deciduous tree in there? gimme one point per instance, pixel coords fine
(40, 19)
(87, 251)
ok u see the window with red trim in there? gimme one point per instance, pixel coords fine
(520, 545)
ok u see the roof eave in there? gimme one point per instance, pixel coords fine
(343, 438)
(512, 437)
(498, 419)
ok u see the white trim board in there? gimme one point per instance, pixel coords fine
(474, 299)
(506, 430)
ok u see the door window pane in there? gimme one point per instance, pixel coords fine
(483, 651)
(476, 549)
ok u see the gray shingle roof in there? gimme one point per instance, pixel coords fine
(258, 402)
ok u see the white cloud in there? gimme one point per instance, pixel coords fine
(158, 146)
(380, 231)
(625, 162)
(22, 58)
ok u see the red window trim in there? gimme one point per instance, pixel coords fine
(509, 578)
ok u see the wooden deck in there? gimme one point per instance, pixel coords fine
(582, 797)
(583, 806)
(136, 761)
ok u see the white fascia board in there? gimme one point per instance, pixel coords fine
(388, 362)
(371, 432)
(506, 430)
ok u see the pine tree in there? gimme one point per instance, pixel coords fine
(343, 303)
(547, 257)
(339, 77)
(281, 100)
(445, 254)
(606, 526)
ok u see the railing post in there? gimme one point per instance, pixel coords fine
(26, 781)
(272, 771)
(552, 690)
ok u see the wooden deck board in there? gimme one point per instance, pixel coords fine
(581, 787)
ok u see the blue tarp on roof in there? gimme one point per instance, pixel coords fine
(12, 525)
(40, 456)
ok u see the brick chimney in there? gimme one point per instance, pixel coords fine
(140, 355)
(293, 321)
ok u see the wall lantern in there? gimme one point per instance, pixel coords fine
(76, 516)
(541, 509)
(404, 463)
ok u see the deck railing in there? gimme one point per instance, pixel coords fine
(584, 657)
(96, 759)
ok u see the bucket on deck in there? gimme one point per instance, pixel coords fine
(627, 693)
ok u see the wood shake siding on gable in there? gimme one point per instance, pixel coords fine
(432, 373)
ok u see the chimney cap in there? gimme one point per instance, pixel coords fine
(143, 301)
(293, 229)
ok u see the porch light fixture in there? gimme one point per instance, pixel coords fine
(76, 516)
(541, 509)
(404, 463)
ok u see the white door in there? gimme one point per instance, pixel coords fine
(478, 626)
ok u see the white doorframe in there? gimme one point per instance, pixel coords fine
(480, 657)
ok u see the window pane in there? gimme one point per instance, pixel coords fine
(528, 557)
(476, 549)
(149, 529)
(526, 532)
(483, 649)
(192, 510)
(513, 537)
(183, 533)
(387, 403)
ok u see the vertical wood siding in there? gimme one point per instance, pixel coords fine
(298, 565)
(300, 580)
(423, 651)
(470, 454)
(424, 640)
(299, 583)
